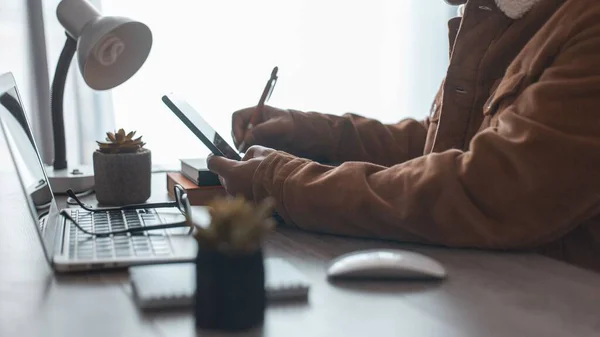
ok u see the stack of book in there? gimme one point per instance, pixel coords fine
(200, 184)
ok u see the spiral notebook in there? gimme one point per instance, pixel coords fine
(173, 285)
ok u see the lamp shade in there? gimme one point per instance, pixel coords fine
(110, 49)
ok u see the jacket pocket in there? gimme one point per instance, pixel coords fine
(505, 93)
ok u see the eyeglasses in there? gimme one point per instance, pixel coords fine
(181, 202)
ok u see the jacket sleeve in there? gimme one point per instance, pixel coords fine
(525, 182)
(336, 139)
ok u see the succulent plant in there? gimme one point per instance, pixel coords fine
(236, 226)
(121, 142)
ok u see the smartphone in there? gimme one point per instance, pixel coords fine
(198, 125)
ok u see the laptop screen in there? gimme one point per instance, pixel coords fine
(28, 164)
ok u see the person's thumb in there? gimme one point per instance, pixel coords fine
(219, 164)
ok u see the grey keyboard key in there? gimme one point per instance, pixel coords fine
(104, 247)
(141, 245)
(123, 253)
(140, 240)
(85, 244)
(104, 254)
(122, 248)
(143, 252)
(85, 255)
(145, 248)
(122, 245)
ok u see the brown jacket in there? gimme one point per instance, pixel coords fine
(508, 159)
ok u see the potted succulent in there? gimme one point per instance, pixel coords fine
(122, 169)
(230, 276)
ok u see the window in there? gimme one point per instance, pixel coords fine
(15, 51)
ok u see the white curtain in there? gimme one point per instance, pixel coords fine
(380, 58)
(88, 113)
(15, 52)
(32, 40)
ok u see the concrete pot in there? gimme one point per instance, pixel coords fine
(122, 178)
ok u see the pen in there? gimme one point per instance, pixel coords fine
(261, 103)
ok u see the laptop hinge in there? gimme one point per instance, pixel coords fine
(61, 237)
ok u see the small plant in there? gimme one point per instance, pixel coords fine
(121, 142)
(236, 226)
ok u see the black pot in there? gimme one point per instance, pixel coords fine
(230, 290)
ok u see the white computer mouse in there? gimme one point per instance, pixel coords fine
(385, 264)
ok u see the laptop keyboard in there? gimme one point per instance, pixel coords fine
(84, 246)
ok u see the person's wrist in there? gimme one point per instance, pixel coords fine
(263, 176)
(270, 176)
(291, 136)
(311, 135)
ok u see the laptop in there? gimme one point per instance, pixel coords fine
(66, 247)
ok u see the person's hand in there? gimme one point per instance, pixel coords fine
(237, 176)
(274, 127)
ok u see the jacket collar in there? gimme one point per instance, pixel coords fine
(515, 9)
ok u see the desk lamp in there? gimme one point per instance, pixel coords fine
(109, 51)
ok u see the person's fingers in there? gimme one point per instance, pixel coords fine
(248, 140)
(270, 124)
(239, 123)
(264, 132)
(249, 154)
(219, 165)
(257, 151)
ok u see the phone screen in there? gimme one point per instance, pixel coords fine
(198, 125)
(222, 145)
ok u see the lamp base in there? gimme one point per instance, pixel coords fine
(79, 178)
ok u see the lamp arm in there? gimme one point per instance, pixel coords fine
(56, 102)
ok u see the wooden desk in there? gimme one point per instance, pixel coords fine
(487, 294)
